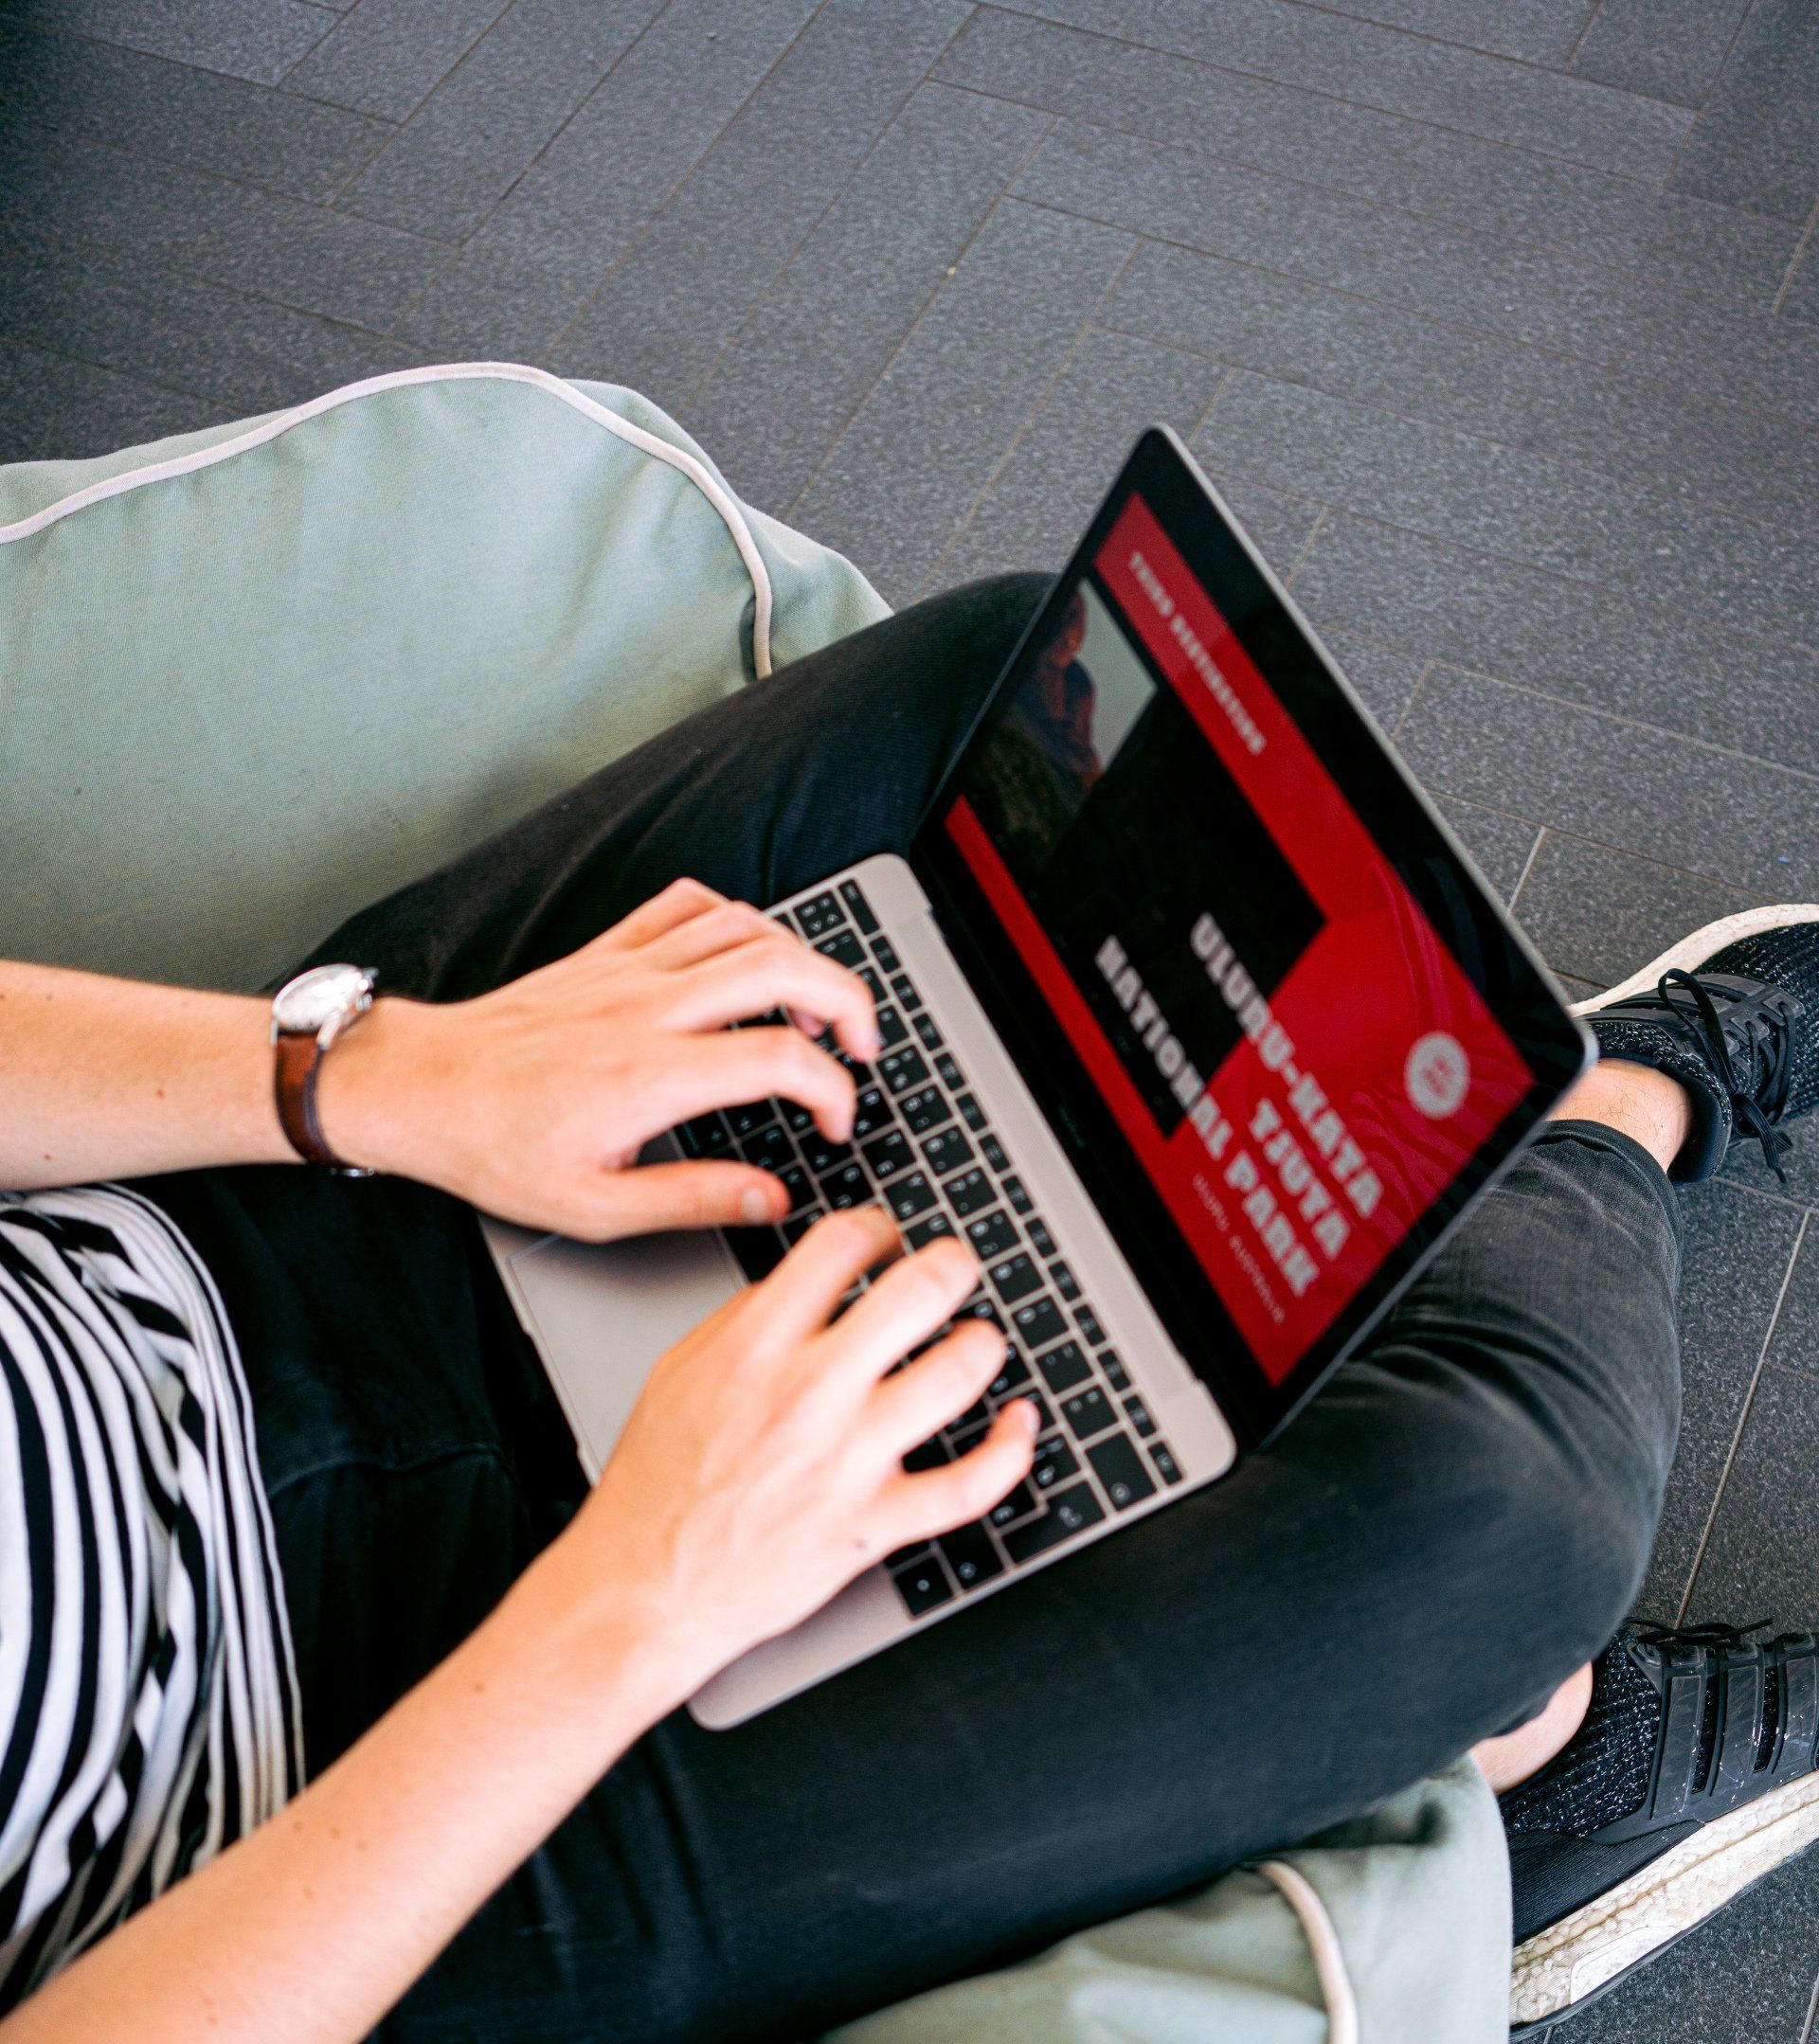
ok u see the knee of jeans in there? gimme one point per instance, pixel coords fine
(1549, 1535)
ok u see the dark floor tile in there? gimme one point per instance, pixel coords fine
(662, 315)
(1762, 1557)
(1382, 676)
(1617, 783)
(1737, 1248)
(1798, 1177)
(1462, 89)
(1741, 1977)
(53, 409)
(1543, 513)
(803, 363)
(1631, 427)
(1795, 1344)
(385, 55)
(1040, 502)
(469, 142)
(1371, 155)
(1280, 525)
(575, 211)
(1756, 142)
(1671, 49)
(1107, 17)
(211, 228)
(1501, 846)
(245, 353)
(1565, 638)
(1577, 990)
(892, 493)
(1600, 914)
(180, 114)
(1543, 31)
(253, 39)
(1613, 316)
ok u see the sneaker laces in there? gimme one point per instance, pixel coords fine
(1681, 995)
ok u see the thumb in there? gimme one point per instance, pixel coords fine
(645, 1198)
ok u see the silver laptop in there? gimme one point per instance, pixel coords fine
(1198, 1026)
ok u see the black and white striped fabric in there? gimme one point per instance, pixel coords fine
(148, 1699)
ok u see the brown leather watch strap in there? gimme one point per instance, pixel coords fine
(299, 1059)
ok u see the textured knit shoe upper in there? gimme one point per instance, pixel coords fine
(1682, 1727)
(1739, 1030)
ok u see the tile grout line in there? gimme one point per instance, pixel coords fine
(492, 212)
(106, 369)
(1579, 42)
(1414, 694)
(1742, 1421)
(1018, 433)
(1755, 521)
(669, 198)
(1579, 838)
(1793, 261)
(348, 184)
(1813, 2012)
(152, 268)
(237, 184)
(1320, 517)
(846, 185)
(1664, 386)
(1367, 106)
(1418, 36)
(1718, 79)
(961, 254)
(1528, 867)
(1551, 350)
(1630, 723)
(1212, 402)
(1558, 249)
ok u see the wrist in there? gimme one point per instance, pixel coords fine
(375, 1087)
(617, 1653)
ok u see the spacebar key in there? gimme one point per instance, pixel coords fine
(1070, 1511)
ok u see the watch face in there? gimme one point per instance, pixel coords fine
(317, 996)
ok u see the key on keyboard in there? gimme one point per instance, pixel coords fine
(923, 1145)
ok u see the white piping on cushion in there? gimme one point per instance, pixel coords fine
(517, 372)
(1301, 1896)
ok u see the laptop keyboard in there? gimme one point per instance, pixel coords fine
(923, 1146)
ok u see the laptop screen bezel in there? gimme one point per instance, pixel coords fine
(1508, 973)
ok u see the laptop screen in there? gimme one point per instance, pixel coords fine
(1265, 988)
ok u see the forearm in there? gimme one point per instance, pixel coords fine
(118, 1079)
(111, 1078)
(308, 1929)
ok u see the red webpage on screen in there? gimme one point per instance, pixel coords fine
(1360, 1082)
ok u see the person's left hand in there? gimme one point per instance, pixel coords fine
(533, 1101)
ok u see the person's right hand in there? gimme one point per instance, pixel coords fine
(533, 1101)
(762, 1468)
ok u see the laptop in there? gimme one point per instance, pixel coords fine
(1198, 1026)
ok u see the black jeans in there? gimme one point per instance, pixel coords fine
(1456, 1522)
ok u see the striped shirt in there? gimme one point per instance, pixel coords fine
(148, 1699)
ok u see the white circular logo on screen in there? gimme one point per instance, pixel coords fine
(1437, 1074)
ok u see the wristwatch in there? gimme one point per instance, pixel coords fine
(309, 1015)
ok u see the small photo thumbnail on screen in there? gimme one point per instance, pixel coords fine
(1065, 724)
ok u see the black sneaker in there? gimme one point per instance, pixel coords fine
(1732, 1012)
(1690, 1779)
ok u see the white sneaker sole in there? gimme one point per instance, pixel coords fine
(1570, 1962)
(1691, 951)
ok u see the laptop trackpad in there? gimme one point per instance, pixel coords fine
(605, 1312)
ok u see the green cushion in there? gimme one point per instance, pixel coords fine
(254, 677)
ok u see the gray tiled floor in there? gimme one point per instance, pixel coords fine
(1496, 319)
